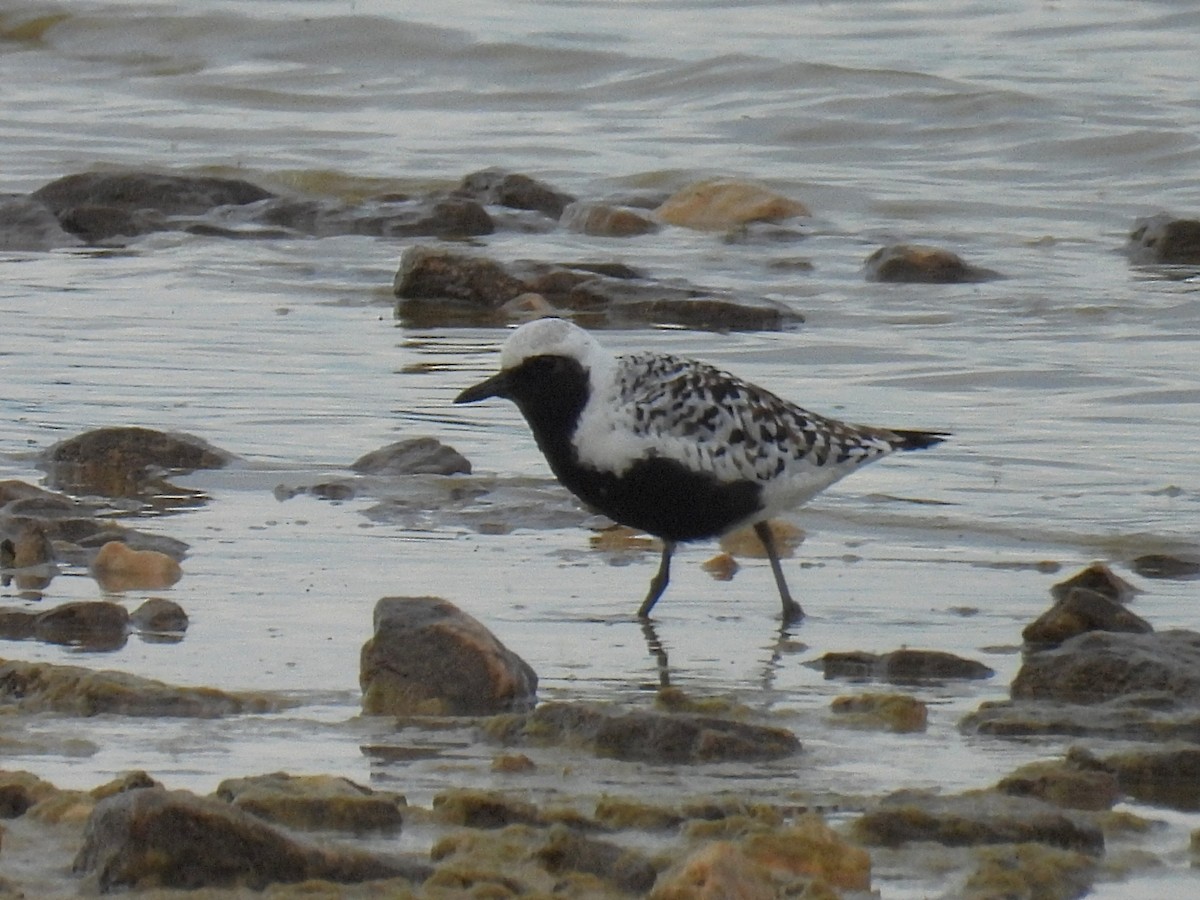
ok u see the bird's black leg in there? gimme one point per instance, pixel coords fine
(791, 609)
(658, 583)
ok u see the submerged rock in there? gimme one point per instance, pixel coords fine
(315, 802)
(118, 461)
(28, 559)
(901, 666)
(156, 838)
(1163, 565)
(497, 187)
(1031, 871)
(72, 690)
(919, 264)
(648, 736)
(98, 206)
(607, 220)
(27, 225)
(428, 657)
(413, 456)
(439, 285)
(1164, 239)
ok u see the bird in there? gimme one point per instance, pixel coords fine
(675, 447)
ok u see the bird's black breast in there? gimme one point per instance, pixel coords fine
(663, 497)
(655, 495)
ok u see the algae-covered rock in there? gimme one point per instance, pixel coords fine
(905, 666)
(1063, 783)
(315, 802)
(1030, 870)
(648, 736)
(73, 690)
(118, 461)
(974, 818)
(900, 713)
(153, 837)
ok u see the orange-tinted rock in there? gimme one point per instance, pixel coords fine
(720, 204)
(604, 220)
(428, 657)
(745, 543)
(118, 568)
(722, 567)
(919, 264)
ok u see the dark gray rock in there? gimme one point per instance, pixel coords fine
(903, 666)
(413, 456)
(918, 264)
(1164, 240)
(1079, 611)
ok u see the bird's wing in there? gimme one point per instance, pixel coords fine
(712, 421)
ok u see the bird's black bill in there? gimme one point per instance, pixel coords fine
(496, 386)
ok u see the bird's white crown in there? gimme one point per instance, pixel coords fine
(551, 337)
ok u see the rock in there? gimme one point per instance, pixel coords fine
(1063, 783)
(437, 285)
(1161, 565)
(76, 691)
(159, 616)
(16, 624)
(117, 461)
(448, 218)
(1163, 239)
(29, 558)
(565, 851)
(717, 871)
(1100, 665)
(118, 568)
(428, 657)
(721, 567)
(27, 226)
(812, 849)
(1079, 611)
(901, 666)
(919, 264)
(500, 188)
(719, 204)
(20, 792)
(606, 220)
(1030, 871)
(93, 625)
(899, 713)
(1098, 578)
(974, 818)
(315, 802)
(1145, 717)
(104, 204)
(648, 736)
(414, 456)
(528, 306)
(157, 838)
(1168, 776)
(483, 809)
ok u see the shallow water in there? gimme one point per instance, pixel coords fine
(1027, 139)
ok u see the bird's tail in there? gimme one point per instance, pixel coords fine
(917, 440)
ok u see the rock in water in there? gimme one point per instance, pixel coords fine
(428, 657)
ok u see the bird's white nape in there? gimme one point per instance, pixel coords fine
(552, 337)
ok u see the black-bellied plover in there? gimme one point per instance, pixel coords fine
(674, 447)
